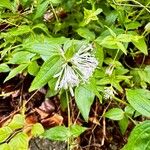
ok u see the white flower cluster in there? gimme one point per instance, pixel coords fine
(76, 70)
(109, 92)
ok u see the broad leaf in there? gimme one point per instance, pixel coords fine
(17, 31)
(15, 71)
(123, 124)
(139, 99)
(41, 8)
(4, 68)
(115, 114)
(139, 138)
(86, 33)
(59, 133)
(21, 57)
(37, 129)
(17, 122)
(4, 146)
(76, 130)
(19, 142)
(62, 133)
(47, 71)
(84, 99)
(140, 43)
(5, 133)
(33, 68)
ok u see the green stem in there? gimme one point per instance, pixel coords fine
(54, 12)
(69, 119)
(119, 100)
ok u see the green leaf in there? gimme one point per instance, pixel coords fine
(44, 46)
(33, 68)
(19, 142)
(86, 33)
(139, 138)
(59, 133)
(18, 31)
(21, 57)
(124, 37)
(47, 71)
(56, 1)
(140, 43)
(17, 122)
(63, 100)
(147, 27)
(15, 71)
(99, 54)
(62, 133)
(41, 8)
(76, 130)
(132, 25)
(5, 133)
(90, 15)
(139, 99)
(115, 114)
(41, 26)
(123, 124)
(4, 68)
(84, 99)
(4, 146)
(6, 4)
(121, 47)
(37, 129)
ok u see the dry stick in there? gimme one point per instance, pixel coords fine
(16, 111)
(104, 125)
(104, 132)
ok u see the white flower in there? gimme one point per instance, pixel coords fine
(76, 70)
(109, 70)
(109, 92)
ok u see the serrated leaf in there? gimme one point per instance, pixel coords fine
(15, 71)
(5, 133)
(139, 138)
(19, 142)
(86, 33)
(115, 114)
(4, 68)
(139, 99)
(37, 129)
(84, 99)
(59, 133)
(47, 71)
(17, 122)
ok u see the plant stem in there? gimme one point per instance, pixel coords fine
(69, 118)
(119, 100)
